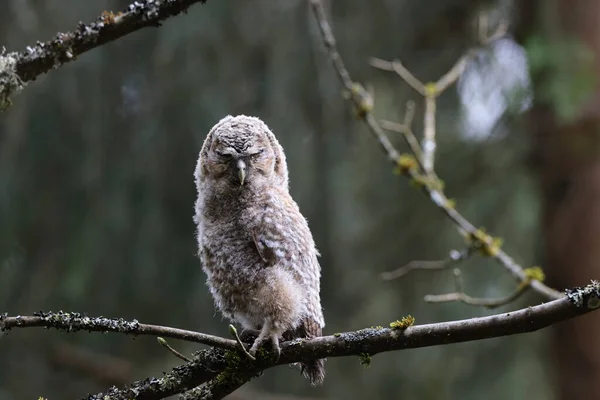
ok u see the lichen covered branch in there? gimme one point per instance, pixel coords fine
(205, 366)
(74, 322)
(18, 68)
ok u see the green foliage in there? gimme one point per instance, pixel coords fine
(569, 70)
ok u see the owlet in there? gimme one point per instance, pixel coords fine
(256, 249)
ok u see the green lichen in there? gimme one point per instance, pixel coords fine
(405, 164)
(337, 334)
(431, 89)
(486, 244)
(362, 99)
(534, 274)
(450, 203)
(403, 323)
(365, 359)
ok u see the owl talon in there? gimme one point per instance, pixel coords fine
(255, 347)
(260, 341)
(276, 347)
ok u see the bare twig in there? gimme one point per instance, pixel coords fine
(357, 94)
(462, 297)
(430, 92)
(397, 67)
(40, 58)
(450, 77)
(432, 190)
(406, 130)
(73, 322)
(476, 301)
(209, 364)
(234, 333)
(167, 346)
(453, 258)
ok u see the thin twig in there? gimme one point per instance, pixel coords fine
(450, 77)
(73, 322)
(397, 67)
(453, 258)
(461, 296)
(358, 97)
(433, 191)
(234, 333)
(430, 92)
(476, 301)
(167, 346)
(406, 130)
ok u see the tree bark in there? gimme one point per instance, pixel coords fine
(567, 162)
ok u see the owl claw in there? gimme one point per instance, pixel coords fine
(257, 343)
(276, 347)
(274, 342)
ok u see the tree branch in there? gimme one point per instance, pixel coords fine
(224, 371)
(74, 322)
(18, 68)
(205, 366)
(405, 164)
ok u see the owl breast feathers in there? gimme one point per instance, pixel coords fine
(255, 246)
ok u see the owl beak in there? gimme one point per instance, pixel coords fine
(240, 167)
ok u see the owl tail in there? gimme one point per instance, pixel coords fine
(314, 371)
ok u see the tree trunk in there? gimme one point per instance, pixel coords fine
(566, 156)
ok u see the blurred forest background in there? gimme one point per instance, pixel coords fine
(97, 191)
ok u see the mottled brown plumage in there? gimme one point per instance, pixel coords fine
(255, 246)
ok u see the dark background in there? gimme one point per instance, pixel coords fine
(97, 191)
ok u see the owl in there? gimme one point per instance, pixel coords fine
(255, 246)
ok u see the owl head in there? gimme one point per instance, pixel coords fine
(242, 152)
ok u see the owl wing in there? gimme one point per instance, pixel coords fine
(282, 237)
(265, 252)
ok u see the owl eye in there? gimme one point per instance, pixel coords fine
(257, 154)
(225, 156)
